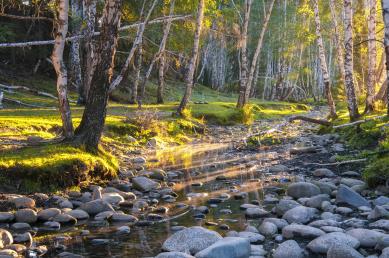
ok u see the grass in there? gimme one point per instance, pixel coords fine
(50, 167)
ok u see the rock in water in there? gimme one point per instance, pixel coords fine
(347, 195)
(96, 206)
(192, 240)
(229, 247)
(342, 251)
(288, 249)
(144, 184)
(302, 189)
(174, 255)
(324, 242)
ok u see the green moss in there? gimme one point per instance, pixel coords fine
(377, 172)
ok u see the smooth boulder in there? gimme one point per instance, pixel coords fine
(302, 189)
(323, 243)
(347, 195)
(288, 249)
(229, 247)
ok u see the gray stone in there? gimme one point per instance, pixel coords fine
(21, 226)
(382, 200)
(268, 228)
(329, 215)
(5, 238)
(385, 253)
(316, 201)
(174, 255)
(278, 168)
(23, 202)
(347, 195)
(324, 222)
(251, 236)
(96, 206)
(343, 251)
(378, 212)
(324, 242)
(254, 213)
(192, 240)
(120, 217)
(6, 217)
(26, 215)
(288, 249)
(65, 219)
(112, 198)
(78, 214)
(351, 182)
(302, 189)
(229, 247)
(323, 172)
(344, 210)
(47, 214)
(285, 205)
(144, 184)
(280, 223)
(380, 224)
(23, 238)
(329, 229)
(366, 237)
(8, 253)
(296, 230)
(300, 214)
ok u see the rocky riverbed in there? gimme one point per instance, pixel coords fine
(213, 198)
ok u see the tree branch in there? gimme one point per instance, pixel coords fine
(18, 17)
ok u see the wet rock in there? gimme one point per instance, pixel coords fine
(47, 214)
(78, 214)
(105, 215)
(112, 198)
(229, 247)
(251, 236)
(288, 249)
(139, 160)
(23, 202)
(302, 189)
(350, 174)
(51, 226)
(285, 205)
(225, 211)
(202, 209)
(8, 253)
(123, 230)
(280, 223)
(325, 187)
(144, 184)
(192, 240)
(224, 227)
(343, 251)
(65, 219)
(6, 217)
(5, 238)
(296, 230)
(121, 217)
(174, 255)
(26, 216)
(323, 172)
(300, 214)
(240, 195)
(324, 242)
(268, 228)
(378, 212)
(254, 213)
(385, 253)
(354, 223)
(347, 195)
(245, 206)
(96, 206)
(366, 237)
(23, 238)
(21, 226)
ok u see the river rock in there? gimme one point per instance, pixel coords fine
(121, 217)
(17, 248)
(112, 198)
(382, 200)
(350, 182)
(285, 205)
(302, 189)
(26, 216)
(268, 228)
(316, 201)
(8, 253)
(6, 217)
(300, 214)
(366, 237)
(5, 238)
(347, 195)
(23, 202)
(20, 226)
(23, 238)
(288, 249)
(174, 255)
(96, 206)
(296, 230)
(65, 219)
(323, 172)
(378, 212)
(380, 224)
(144, 184)
(278, 168)
(324, 242)
(192, 240)
(254, 213)
(343, 251)
(78, 214)
(47, 214)
(324, 222)
(252, 237)
(229, 247)
(280, 223)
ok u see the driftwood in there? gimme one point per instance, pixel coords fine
(311, 120)
(69, 39)
(337, 163)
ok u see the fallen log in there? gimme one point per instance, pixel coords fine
(359, 122)
(311, 120)
(25, 104)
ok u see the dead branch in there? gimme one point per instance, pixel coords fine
(311, 120)
(337, 163)
(25, 104)
(358, 122)
(18, 17)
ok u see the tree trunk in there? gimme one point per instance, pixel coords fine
(323, 62)
(75, 60)
(138, 68)
(192, 63)
(89, 45)
(338, 41)
(161, 78)
(243, 55)
(91, 127)
(372, 56)
(349, 62)
(254, 62)
(385, 13)
(60, 68)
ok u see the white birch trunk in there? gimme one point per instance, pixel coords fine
(385, 13)
(372, 56)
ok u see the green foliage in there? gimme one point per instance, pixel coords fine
(377, 172)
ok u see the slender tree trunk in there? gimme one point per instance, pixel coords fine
(60, 68)
(385, 13)
(338, 41)
(323, 61)
(372, 56)
(243, 55)
(75, 60)
(91, 127)
(254, 62)
(89, 45)
(138, 68)
(192, 63)
(349, 62)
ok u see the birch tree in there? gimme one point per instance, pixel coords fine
(372, 56)
(91, 127)
(323, 61)
(349, 61)
(385, 14)
(192, 63)
(60, 68)
(243, 54)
